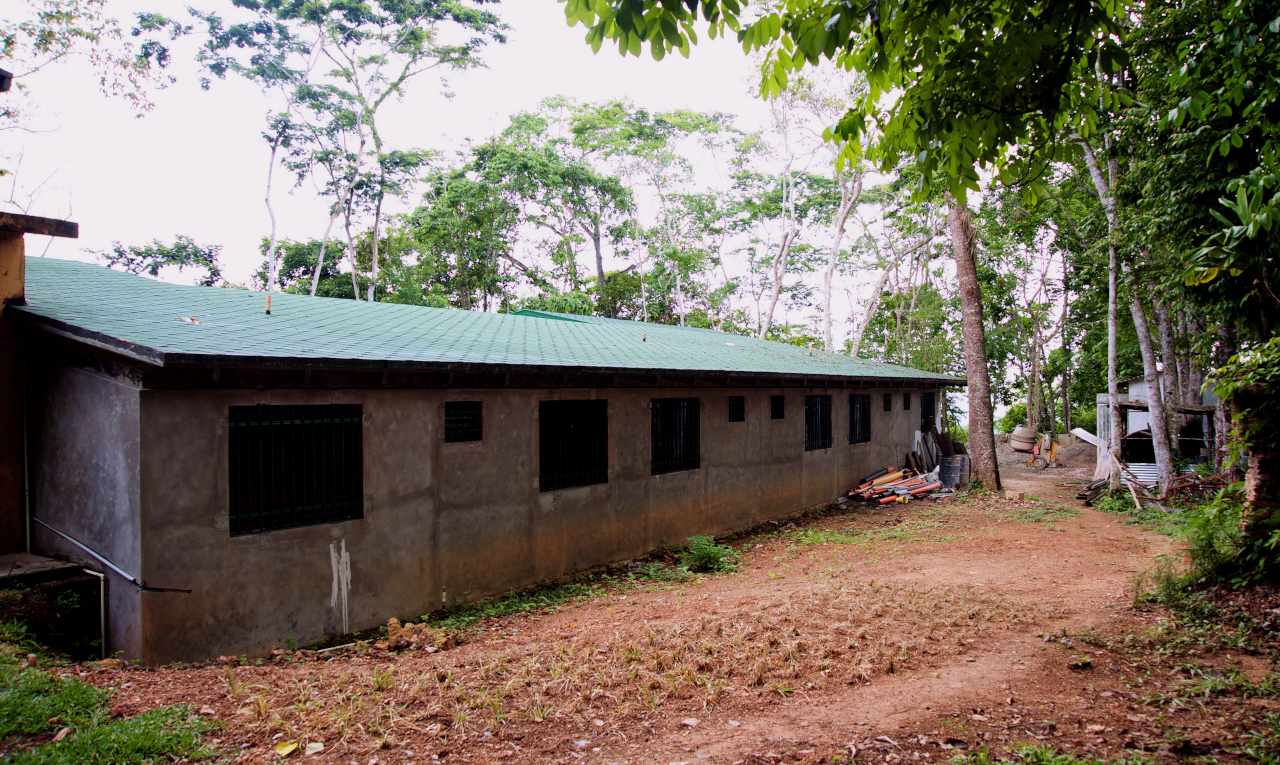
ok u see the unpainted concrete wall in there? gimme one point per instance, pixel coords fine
(83, 463)
(459, 519)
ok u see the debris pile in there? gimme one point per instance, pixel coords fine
(412, 636)
(891, 485)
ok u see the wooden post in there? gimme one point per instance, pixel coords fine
(13, 268)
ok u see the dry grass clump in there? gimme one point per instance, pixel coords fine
(843, 633)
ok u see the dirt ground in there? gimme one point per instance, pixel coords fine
(911, 633)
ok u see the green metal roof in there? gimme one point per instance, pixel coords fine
(144, 319)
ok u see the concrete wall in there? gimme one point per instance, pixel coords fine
(462, 519)
(83, 462)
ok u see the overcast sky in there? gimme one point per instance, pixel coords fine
(196, 164)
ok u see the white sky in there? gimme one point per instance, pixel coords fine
(196, 165)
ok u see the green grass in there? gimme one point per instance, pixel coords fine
(1149, 518)
(29, 698)
(165, 733)
(1046, 755)
(1043, 513)
(825, 536)
(35, 701)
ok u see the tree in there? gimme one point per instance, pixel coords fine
(976, 83)
(149, 259)
(982, 438)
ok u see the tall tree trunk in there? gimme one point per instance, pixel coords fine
(315, 278)
(1169, 366)
(595, 235)
(850, 191)
(1033, 387)
(1103, 188)
(1053, 415)
(1155, 397)
(779, 271)
(272, 272)
(1224, 416)
(982, 438)
(373, 267)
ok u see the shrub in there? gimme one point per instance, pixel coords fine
(703, 555)
(1220, 549)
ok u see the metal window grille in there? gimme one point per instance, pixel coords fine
(778, 407)
(817, 422)
(859, 418)
(675, 439)
(888, 402)
(573, 443)
(926, 411)
(294, 466)
(737, 408)
(463, 421)
(906, 402)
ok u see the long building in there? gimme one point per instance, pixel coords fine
(245, 478)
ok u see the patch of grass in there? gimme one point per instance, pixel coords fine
(1149, 518)
(824, 536)
(35, 701)
(29, 698)
(1043, 513)
(1261, 743)
(165, 733)
(703, 555)
(1045, 755)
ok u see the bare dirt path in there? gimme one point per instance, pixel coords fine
(883, 634)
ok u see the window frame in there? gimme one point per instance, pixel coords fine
(322, 443)
(818, 433)
(674, 446)
(777, 407)
(556, 418)
(859, 418)
(888, 402)
(737, 413)
(457, 433)
(906, 401)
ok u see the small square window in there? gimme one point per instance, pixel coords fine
(463, 421)
(906, 402)
(778, 407)
(737, 408)
(888, 402)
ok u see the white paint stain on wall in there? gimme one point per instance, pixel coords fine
(341, 563)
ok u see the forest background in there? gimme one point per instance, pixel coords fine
(1047, 197)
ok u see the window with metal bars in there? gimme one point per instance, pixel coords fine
(675, 443)
(906, 402)
(817, 422)
(463, 421)
(737, 408)
(573, 443)
(294, 466)
(859, 418)
(888, 402)
(778, 407)
(926, 411)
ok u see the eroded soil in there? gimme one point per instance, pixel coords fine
(910, 633)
